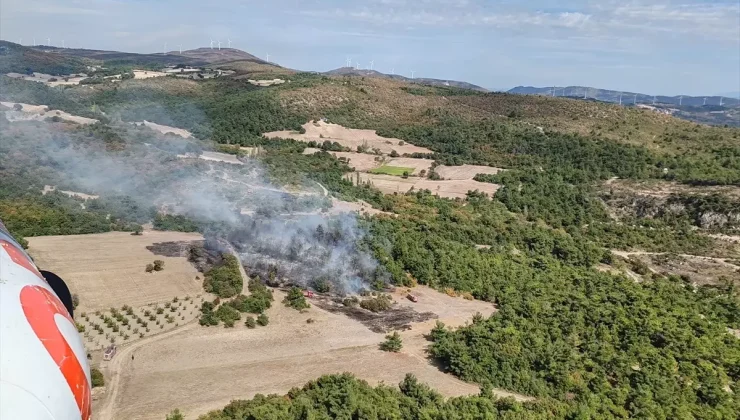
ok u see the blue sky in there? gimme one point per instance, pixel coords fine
(651, 46)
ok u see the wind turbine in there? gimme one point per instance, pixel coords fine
(705, 101)
(63, 44)
(229, 39)
(371, 64)
(219, 45)
(48, 41)
(412, 74)
(268, 57)
(211, 44)
(620, 98)
(34, 42)
(180, 46)
(635, 101)
(20, 41)
(680, 100)
(357, 65)
(654, 97)
(585, 93)
(720, 101)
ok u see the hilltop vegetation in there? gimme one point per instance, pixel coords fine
(16, 58)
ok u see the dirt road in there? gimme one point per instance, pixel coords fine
(118, 365)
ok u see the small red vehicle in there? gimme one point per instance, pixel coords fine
(412, 298)
(308, 293)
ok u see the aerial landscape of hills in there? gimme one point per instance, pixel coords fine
(248, 240)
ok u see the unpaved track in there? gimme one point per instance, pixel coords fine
(116, 366)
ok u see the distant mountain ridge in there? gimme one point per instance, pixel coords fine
(627, 98)
(350, 71)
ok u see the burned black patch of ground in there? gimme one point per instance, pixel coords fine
(396, 318)
(173, 248)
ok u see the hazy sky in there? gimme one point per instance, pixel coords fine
(650, 46)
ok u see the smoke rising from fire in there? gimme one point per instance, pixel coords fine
(278, 234)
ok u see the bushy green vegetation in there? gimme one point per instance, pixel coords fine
(579, 340)
(345, 397)
(224, 279)
(259, 300)
(97, 377)
(295, 299)
(392, 343)
(175, 222)
(392, 170)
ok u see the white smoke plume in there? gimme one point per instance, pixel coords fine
(274, 230)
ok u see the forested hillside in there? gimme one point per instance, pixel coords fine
(587, 333)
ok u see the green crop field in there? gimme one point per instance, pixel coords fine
(392, 170)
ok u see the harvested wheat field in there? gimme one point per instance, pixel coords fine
(107, 269)
(215, 365)
(464, 171)
(146, 74)
(390, 184)
(164, 129)
(348, 137)
(40, 113)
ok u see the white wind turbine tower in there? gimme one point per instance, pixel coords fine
(20, 41)
(48, 41)
(372, 62)
(721, 99)
(211, 44)
(393, 71)
(620, 98)
(180, 47)
(34, 42)
(680, 100)
(635, 101)
(412, 74)
(654, 97)
(357, 65)
(705, 101)
(229, 41)
(268, 57)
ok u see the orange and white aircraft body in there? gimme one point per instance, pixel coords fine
(44, 374)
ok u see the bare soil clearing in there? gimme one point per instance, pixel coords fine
(359, 161)
(662, 189)
(214, 365)
(214, 157)
(146, 74)
(464, 172)
(49, 188)
(348, 137)
(701, 270)
(164, 129)
(266, 82)
(50, 80)
(41, 113)
(451, 189)
(107, 269)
